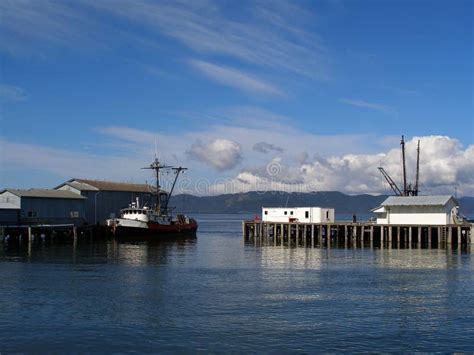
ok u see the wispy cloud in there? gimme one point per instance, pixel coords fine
(235, 78)
(27, 26)
(11, 93)
(267, 36)
(369, 105)
(205, 28)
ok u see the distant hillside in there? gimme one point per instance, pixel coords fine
(252, 202)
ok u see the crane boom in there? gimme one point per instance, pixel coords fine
(392, 184)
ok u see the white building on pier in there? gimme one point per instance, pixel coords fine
(298, 214)
(418, 210)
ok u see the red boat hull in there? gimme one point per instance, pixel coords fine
(157, 231)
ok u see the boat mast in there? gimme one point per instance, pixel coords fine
(417, 176)
(157, 166)
(405, 192)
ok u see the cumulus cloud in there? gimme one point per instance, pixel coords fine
(264, 147)
(221, 154)
(444, 165)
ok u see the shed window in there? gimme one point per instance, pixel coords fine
(31, 213)
(286, 213)
(306, 214)
(291, 213)
(74, 214)
(327, 214)
(266, 212)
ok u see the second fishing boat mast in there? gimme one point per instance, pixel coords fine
(157, 166)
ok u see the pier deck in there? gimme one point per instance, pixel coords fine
(311, 234)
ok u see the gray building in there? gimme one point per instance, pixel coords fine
(41, 206)
(106, 198)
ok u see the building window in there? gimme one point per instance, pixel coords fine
(327, 214)
(74, 214)
(291, 213)
(31, 214)
(286, 213)
(266, 212)
(306, 214)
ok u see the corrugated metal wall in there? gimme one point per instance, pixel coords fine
(52, 210)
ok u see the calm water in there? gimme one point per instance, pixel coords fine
(217, 294)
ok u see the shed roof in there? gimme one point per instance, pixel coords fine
(80, 186)
(45, 193)
(440, 200)
(103, 185)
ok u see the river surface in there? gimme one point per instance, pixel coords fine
(219, 294)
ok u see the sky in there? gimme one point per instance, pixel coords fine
(248, 95)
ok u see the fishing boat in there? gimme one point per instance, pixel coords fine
(156, 221)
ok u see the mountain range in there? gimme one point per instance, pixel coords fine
(252, 202)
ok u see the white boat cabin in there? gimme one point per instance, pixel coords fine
(418, 210)
(298, 214)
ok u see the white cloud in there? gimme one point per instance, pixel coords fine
(369, 105)
(444, 165)
(221, 154)
(235, 78)
(11, 93)
(308, 161)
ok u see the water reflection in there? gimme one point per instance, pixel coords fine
(314, 257)
(105, 251)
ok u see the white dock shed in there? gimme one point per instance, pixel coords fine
(298, 214)
(418, 210)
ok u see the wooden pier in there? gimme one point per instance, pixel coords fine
(349, 233)
(49, 232)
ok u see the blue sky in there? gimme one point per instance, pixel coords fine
(321, 90)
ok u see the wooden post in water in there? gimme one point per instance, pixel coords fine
(410, 234)
(312, 235)
(429, 236)
(328, 234)
(382, 232)
(438, 236)
(371, 234)
(459, 237)
(450, 235)
(419, 235)
(297, 232)
(304, 235)
(30, 235)
(390, 235)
